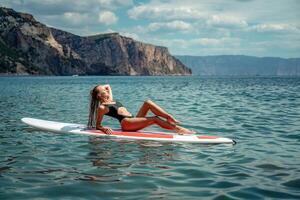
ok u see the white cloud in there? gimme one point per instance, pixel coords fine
(107, 18)
(170, 26)
(59, 7)
(203, 14)
(207, 42)
(254, 11)
(163, 11)
(114, 3)
(226, 21)
(275, 28)
(75, 18)
(105, 2)
(124, 2)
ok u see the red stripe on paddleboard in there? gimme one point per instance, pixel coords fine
(136, 134)
(207, 137)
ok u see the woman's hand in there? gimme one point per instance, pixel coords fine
(106, 130)
(108, 89)
(106, 86)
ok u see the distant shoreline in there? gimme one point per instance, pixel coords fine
(193, 75)
(33, 75)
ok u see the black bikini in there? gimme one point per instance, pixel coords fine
(113, 111)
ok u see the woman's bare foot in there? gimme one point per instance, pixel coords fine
(181, 131)
(172, 120)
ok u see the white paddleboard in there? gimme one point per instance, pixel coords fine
(59, 127)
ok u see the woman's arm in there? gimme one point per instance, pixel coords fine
(100, 112)
(108, 88)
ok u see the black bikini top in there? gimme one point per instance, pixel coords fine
(113, 111)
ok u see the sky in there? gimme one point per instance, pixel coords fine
(187, 27)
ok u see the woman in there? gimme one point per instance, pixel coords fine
(102, 103)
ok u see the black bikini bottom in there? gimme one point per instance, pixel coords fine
(126, 117)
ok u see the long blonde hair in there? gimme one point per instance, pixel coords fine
(94, 103)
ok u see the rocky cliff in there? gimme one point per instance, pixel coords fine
(30, 47)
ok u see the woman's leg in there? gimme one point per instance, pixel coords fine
(138, 123)
(150, 105)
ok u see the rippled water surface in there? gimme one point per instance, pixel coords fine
(261, 113)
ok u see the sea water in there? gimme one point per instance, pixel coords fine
(261, 113)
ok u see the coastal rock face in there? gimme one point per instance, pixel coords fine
(30, 47)
(115, 54)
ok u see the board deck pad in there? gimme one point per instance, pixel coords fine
(60, 127)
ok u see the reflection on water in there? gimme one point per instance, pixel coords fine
(147, 151)
(115, 156)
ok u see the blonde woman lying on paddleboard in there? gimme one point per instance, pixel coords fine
(102, 103)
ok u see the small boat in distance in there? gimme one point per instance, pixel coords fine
(74, 75)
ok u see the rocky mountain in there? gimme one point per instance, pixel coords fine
(30, 47)
(242, 65)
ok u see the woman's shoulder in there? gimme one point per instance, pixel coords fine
(101, 107)
(109, 103)
(115, 102)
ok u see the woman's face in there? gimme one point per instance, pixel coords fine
(102, 93)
